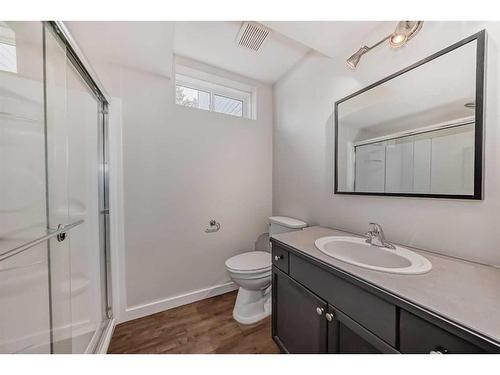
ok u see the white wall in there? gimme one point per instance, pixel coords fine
(181, 168)
(303, 149)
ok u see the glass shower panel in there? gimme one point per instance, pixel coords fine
(87, 261)
(370, 167)
(73, 179)
(57, 191)
(422, 164)
(24, 283)
(53, 294)
(452, 164)
(24, 302)
(399, 165)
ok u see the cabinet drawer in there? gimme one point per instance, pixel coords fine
(418, 336)
(280, 258)
(370, 311)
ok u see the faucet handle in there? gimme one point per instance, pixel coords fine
(373, 230)
(376, 236)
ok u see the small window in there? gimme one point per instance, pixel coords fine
(213, 96)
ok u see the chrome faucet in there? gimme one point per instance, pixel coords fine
(376, 237)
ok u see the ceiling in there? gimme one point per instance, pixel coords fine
(334, 38)
(148, 46)
(214, 43)
(145, 46)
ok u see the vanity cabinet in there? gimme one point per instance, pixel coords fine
(299, 322)
(320, 310)
(305, 323)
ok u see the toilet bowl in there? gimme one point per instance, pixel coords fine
(251, 271)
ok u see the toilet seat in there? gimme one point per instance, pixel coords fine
(251, 271)
(251, 262)
(250, 275)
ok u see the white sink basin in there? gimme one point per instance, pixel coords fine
(356, 251)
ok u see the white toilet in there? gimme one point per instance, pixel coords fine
(252, 272)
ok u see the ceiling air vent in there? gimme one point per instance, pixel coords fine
(252, 35)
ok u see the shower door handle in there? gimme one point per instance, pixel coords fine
(59, 233)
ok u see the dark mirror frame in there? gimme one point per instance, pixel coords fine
(480, 38)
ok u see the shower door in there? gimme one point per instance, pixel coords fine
(24, 279)
(53, 296)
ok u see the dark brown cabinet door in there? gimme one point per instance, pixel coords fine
(299, 323)
(418, 336)
(345, 336)
(352, 343)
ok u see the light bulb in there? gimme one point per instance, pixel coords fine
(397, 40)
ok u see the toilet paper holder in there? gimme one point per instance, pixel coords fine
(214, 226)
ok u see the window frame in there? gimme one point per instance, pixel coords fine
(217, 86)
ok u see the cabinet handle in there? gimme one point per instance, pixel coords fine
(439, 350)
(319, 311)
(277, 257)
(329, 316)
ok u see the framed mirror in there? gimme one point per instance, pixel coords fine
(417, 132)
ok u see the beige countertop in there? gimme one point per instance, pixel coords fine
(464, 292)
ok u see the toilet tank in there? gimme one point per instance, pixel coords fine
(282, 224)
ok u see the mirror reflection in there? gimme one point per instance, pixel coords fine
(414, 133)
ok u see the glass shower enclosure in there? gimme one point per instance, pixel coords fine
(54, 215)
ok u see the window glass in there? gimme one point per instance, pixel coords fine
(192, 98)
(228, 106)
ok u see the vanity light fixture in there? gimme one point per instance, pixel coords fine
(405, 30)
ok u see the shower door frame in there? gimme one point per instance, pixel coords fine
(87, 74)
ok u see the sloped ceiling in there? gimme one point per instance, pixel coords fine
(334, 38)
(146, 46)
(214, 43)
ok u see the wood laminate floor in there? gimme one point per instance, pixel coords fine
(205, 326)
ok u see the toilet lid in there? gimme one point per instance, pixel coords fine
(251, 261)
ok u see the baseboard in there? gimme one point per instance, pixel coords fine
(139, 311)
